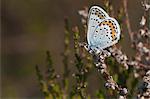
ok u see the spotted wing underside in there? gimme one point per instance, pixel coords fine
(95, 17)
(106, 34)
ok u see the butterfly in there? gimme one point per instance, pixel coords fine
(103, 30)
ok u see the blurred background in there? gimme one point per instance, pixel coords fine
(30, 28)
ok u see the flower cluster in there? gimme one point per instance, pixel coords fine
(102, 68)
(84, 14)
(141, 41)
(144, 32)
(99, 61)
(146, 5)
(143, 50)
(119, 56)
(145, 87)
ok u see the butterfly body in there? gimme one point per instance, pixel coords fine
(103, 30)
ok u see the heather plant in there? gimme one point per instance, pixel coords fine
(123, 76)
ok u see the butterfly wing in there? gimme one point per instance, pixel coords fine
(95, 17)
(106, 34)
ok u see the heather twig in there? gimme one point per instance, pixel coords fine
(144, 90)
(66, 71)
(81, 75)
(49, 87)
(99, 61)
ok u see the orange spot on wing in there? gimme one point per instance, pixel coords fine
(110, 24)
(113, 31)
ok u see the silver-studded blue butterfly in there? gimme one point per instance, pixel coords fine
(103, 30)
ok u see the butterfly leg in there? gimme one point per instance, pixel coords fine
(92, 50)
(86, 46)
